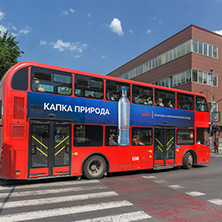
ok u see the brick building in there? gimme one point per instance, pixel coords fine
(189, 60)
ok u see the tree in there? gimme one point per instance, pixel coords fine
(9, 52)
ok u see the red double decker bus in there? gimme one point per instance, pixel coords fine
(61, 122)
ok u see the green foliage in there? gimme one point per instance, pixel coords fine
(9, 52)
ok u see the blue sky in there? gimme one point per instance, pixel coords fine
(100, 35)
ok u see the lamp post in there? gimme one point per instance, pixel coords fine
(211, 110)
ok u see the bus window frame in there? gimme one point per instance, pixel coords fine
(184, 94)
(88, 77)
(205, 105)
(185, 143)
(79, 124)
(165, 91)
(51, 83)
(128, 85)
(143, 128)
(148, 88)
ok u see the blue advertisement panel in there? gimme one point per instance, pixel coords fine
(92, 111)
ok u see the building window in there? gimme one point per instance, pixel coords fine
(194, 76)
(192, 45)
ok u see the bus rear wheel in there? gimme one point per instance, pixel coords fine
(94, 167)
(188, 161)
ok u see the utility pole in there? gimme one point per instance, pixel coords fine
(211, 110)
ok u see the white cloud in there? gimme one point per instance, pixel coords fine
(78, 56)
(104, 57)
(2, 28)
(72, 10)
(2, 14)
(66, 12)
(131, 31)
(43, 42)
(218, 32)
(148, 31)
(14, 28)
(69, 46)
(25, 31)
(116, 27)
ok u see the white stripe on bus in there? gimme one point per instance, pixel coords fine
(23, 203)
(31, 215)
(134, 216)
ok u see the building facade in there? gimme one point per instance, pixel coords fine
(189, 60)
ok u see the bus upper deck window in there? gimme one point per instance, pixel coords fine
(40, 80)
(201, 104)
(114, 90)
(164, 98)
(51, 81)
(142, 95)
(89, 87)
(185, 101)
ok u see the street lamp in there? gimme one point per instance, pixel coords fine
(211, 110)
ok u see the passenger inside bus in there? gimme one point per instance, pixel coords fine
(160, 102)
(138, 100)
(110, 96)
(37, 87)
(169, 104)
(112, 141)
(137, 141)
(148, 101)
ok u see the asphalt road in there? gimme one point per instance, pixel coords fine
(169, 195)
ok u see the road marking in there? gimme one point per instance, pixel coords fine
(52, 191)
(51, 200)
(63, 211)
(216, 156)
(195, 193)
(216, 201)
(149, 177)
(176, 187)
(161, 181)
(134, 216)
(18, 187)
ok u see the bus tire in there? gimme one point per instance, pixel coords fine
(188, 161)
(94, 167)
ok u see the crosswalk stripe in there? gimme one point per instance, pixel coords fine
(63, 211)
(18, 187)
(51, 200)
(134, 216)
(52, 191)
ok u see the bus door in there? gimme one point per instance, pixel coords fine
(164, 146)
(49, 148)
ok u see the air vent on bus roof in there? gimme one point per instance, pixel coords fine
(18, 111)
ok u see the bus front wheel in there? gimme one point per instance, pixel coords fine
(94, 167)
(188, 161)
